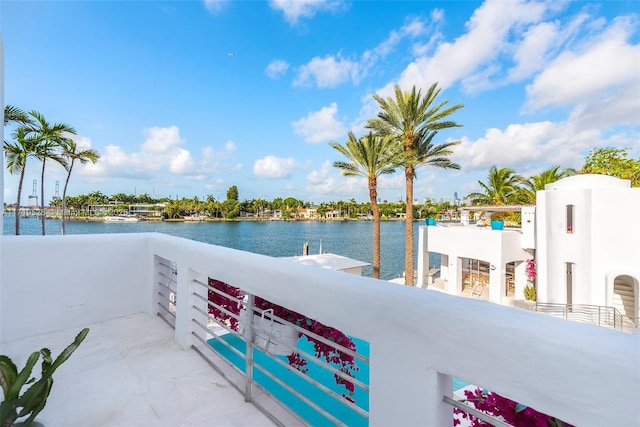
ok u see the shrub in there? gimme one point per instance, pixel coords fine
(530, 293)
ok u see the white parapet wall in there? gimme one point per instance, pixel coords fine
(582, 374)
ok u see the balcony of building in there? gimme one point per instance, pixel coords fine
(151, 356)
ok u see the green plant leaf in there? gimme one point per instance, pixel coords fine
(69, 350)
(23, 376)
(8, 372)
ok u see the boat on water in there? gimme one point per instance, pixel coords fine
(194, 218)
(121, 218)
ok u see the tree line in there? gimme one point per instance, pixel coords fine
(211, 207)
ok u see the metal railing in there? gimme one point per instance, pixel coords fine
(594, 314)
(258, 352)
(166, 289)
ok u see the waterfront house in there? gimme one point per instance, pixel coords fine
(582, 234)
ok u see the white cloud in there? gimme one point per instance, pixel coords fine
(327, 72)
(526, 146)
(320, 126)
(328, 180)
(215, 6)
(296, 9)
(162, 152)
(334, 70)
(274, 167)
(488, 31)
(276, 68)
(604, 63)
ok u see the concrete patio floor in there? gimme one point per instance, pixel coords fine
(130, 372)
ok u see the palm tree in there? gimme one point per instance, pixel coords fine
(17, 154)
(369, 157)
(16, 115)
(538, 182)
(414, 120)
(71, 153)
(502, 188)
(50, 138)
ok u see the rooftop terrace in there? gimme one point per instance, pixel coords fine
(135, 369)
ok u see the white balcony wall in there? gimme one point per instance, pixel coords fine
(583, 374)
(60, 282)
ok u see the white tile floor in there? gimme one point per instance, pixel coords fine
(129, 372)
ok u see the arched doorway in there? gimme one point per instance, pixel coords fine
(625, 297)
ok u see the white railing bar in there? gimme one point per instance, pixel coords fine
(261, 311)
(223, 342)
(309, 356)
(212, 317)
(222, 293)
(322, 339)
(300, 396)
(248, 339)
(289, 367)
(324, 365)
(217, 307)
(165, 286)
(213, 365)
(476, 413)
(313, 381)
(165, 319)
(166, 298)
(167, 310)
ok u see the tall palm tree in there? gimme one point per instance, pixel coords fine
(414, 120)
(51, 138)
(71, 153)
(369, 157)
(538, 182)
(17, 154)
(502, 188)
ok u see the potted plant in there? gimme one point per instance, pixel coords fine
(29, 403)
(431, 215)
(497, 220)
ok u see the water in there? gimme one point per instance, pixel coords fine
(353, 239)
(345, 414)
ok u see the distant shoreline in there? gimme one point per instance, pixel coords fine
(250, 219)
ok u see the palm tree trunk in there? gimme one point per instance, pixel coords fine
(373, 196)
(44, 160)
(64, 196)
(408, 260)
(18, 202)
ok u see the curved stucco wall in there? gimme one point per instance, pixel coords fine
(588, 181)
(603, 239)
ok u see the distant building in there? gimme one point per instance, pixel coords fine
(583, 235)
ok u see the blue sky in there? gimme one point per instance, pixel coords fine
(187, 98)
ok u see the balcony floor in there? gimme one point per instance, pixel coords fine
(129, 371)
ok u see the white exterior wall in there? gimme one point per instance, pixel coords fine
(75, 279)
(605, 241)
(528, 227)
(497, 247)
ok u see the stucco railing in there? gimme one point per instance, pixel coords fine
(419, 339)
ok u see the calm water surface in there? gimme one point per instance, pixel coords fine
(352, 239)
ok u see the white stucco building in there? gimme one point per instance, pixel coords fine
(584, 234)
